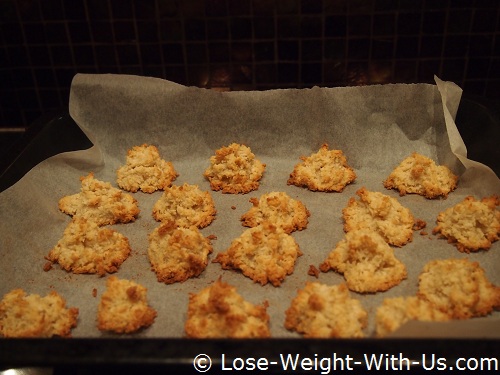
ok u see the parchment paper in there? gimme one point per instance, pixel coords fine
(375, 126)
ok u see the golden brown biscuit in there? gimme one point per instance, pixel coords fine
(459, 288)
(87, 248)
(326, 311)
(100, 202)
(264, 253)
(279, 209)
(394, 312)
(177, 254)
(23, 315)
(325, 170)
(417, 174)
(185, 206)
(366, 261)
(123, 307)
(380, 213)
(471, 225)
(145, 170)
(234, 169)
(218, 311)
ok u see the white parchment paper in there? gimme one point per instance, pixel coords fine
(375, 126)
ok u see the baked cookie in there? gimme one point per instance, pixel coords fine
(87, 248)
(145, 170)
(23, 315)
(124, 307)
(380, 213)
(277, 208)
(326, 311)
(459, 288)
(218, 311)
(366, 261)
(176, 253)
(234, 169)
(394, 312)
(471, 225)
(264, 253)
(185, 206)
(325, 170)
(100, 202)
(417, 174)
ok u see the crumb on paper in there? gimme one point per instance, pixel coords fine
(419, 224)
(313, 271)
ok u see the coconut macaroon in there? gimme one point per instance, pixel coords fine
(459, 288)
(265, 253)
(471, 225)
(176, 253)
(418, 174)
(145, 170)
(395, 312)
(219, 311)
(30, 315)
(277, 208)
(185, 205)
(123, 307)
(325, 170)
(326, 311)
(234, 170)
(100, 202)
(87, 248)
(380, 213)
(366, 261)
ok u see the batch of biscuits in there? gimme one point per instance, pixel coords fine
(265, 252)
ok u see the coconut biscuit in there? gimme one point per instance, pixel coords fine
(277, 208)
(326, 311)
(87, 248)
(100, 202)
(185, 205)
(265, 253)
(380, 213)
(471, 225)
(30, 315)
(366, 261)
(234, 170)
(145, 170)
(459, 288)
(219, 311)
(418, 174)
(176, 253)
(123, 307)
(325, 170)
(394, 312)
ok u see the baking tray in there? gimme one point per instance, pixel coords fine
(478, 121)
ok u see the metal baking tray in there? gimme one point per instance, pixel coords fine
(478, 121)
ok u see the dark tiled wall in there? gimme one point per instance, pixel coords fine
(242, 45)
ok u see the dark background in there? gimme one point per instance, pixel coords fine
(242, 45)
